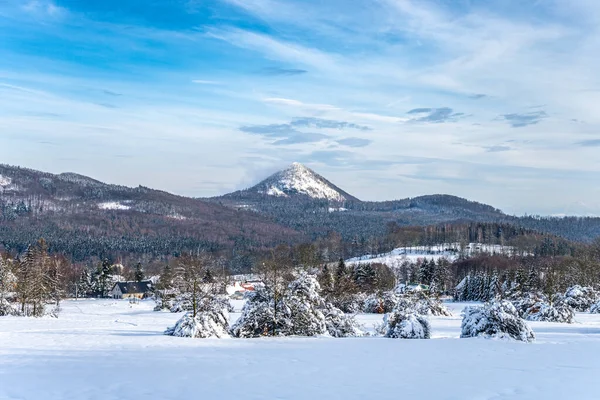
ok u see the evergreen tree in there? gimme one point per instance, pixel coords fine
(84, 286)
(340, 272)
(364, 276)
(103, 278)
(326, 280)
(7, 281)
(208, 277)
(166, 278)
(139, 273)
(493, 287)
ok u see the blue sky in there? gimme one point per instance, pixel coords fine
(496, 101)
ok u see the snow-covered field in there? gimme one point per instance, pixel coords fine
(109, 349)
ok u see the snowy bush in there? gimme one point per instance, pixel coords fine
(183, 302)
(422, 304)
(498, 319)
(164, 303)
(300, 310)
(580, 298)
(595, 308)
(212, 320)
(262, 316)
(220, 301)
(426, 305)
(7, 308)
(380, 303)
(542, 311)
(305, 304)
(206, 324)
(524, 302)
(349, 303)
(340, 324)
(402, 325)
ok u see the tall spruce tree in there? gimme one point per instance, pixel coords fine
(139, 273)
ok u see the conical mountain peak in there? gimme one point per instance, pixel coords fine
(299, 179)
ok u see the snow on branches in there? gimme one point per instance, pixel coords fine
(380, 303)
(542, 311)
(299, 310)
(340, 324)
(212, 321)
(402, 325)
(498, 319)
(595, 308)
(262, 315)
(580, 298)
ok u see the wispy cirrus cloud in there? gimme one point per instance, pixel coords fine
(478, 96)
(279, 71)
(589, 143)
(434, 115)
(290, 133)
(283, 134)
(354, 142)
(497, 149)
(327, 123)
(525, 119)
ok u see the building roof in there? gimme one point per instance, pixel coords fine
(134, 287)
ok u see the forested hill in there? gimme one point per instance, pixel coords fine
(85, 218)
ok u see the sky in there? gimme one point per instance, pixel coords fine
(493, 100)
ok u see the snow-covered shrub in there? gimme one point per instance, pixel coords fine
(422, 304)
(498, 319)
(349, 303)
(542, 311)
(7, 308)
(183, 302)
(580, 298)
(404, 325)
(206, 324)
(164, 303)
(212, 320)
(340, 324)
(595, 308)
(524, 302)
(305, 305)
(221, 301)
(262, 316)
(380, 303)
(426, 305)
(300, 311)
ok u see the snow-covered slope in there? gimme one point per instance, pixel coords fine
(113, 205)
(298, 179)
(450, 252)
(5, 181)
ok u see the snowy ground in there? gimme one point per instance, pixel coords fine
(107, 349)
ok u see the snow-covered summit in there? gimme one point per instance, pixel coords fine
(5, 181)
(299, 179)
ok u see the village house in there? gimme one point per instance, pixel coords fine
(131, 289)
